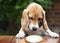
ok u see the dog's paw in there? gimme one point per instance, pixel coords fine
(53, 34)
(20, 35)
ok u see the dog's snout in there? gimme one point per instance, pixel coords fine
(34, 28)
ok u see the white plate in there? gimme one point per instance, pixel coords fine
(34, 38)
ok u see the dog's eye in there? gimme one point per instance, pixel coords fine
(31, 18)
(39, 18)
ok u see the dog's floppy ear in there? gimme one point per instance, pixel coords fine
(45, 26)
(24, 19)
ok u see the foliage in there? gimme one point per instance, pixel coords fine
(12, 9)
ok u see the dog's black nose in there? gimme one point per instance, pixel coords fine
(34, 28)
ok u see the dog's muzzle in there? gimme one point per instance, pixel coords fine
(33, 28)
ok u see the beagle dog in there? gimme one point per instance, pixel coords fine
(33, 21)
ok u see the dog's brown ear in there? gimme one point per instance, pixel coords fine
(45, 26)
(24, 19)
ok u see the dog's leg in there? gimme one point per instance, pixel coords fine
(47, 30)
(24, 25)
(50, 33)
(21, 34)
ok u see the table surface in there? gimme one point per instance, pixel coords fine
(13, 39)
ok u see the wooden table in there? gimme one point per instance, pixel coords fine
(7, 39)
(12, 39)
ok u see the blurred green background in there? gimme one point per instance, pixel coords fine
(11, 11)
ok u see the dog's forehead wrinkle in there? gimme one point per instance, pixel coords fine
(34, 13)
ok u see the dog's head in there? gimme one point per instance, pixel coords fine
(34, 16)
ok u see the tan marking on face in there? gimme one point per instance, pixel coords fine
(35, 14)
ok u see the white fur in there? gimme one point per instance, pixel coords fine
(52, 34)
(21, 34)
